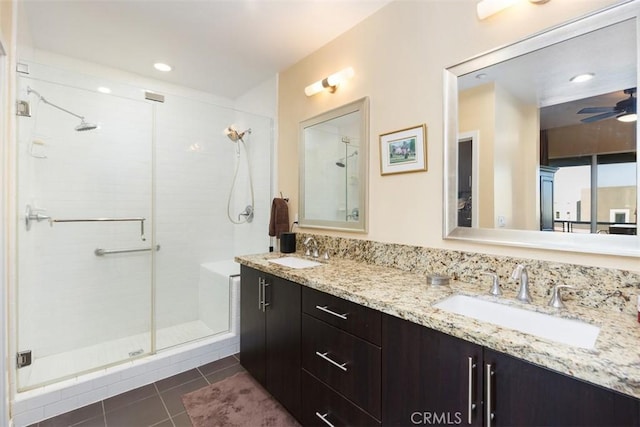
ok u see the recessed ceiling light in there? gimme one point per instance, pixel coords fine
(162, 67)
(481, 76)
(103, 89)
(581, 78)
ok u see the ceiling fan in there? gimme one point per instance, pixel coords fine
(625, 109)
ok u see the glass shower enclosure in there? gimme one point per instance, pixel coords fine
(119, 221)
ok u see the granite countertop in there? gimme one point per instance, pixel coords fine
(614, 363)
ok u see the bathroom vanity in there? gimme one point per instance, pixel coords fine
(363, 344)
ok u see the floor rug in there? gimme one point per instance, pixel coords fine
(235, 401)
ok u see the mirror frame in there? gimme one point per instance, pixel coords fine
(620, 245)
(359, 226)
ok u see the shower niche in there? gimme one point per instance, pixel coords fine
(334, 157)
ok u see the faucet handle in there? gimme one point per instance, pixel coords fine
(517, 271)
(556, 298)
(495, 286)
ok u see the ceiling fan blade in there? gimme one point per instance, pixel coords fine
(599, 117)
(593, 110)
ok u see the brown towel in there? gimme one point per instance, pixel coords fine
(279, 222)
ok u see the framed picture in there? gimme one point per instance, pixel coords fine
(404, 151)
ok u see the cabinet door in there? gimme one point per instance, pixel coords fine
(283, 342)
(524, 394)
(429, 378)
(252, 324)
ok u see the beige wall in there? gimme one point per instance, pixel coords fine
(398, 55)
(476, 109)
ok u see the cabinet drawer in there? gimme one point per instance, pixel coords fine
(351, 317)
(346, 363)
(320, 401)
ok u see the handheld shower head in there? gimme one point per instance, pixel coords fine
(234, 135)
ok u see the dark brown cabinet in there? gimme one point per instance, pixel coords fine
(430, 378)
(524, 394)
(341, 359)
(333, 362)
(270, 334)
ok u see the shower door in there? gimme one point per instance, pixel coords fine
(84, 294)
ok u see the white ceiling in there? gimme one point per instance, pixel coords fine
(542, 77)
(224, 47)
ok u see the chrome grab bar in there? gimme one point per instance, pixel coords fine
(33, 214)
(101, 252)
(142, 220)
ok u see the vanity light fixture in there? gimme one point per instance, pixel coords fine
(162, 67)
(486, 8)
(580, 78)
(330, 83)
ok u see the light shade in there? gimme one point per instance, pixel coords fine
(330, 83)
(628, 117)
(486, 8)
(160, 66)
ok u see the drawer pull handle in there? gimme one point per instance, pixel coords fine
(490, 415)
(333, 362)
(324, 418)
(326, 310)
(472, 406)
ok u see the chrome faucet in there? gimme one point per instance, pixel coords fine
(556, 298)
(520, 272)
(307, 242)
(495, 283)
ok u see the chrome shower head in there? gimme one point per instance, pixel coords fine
(234, 135)
(85, 126)
(343, 161)
(81, 127)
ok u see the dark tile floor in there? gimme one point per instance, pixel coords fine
(158, 404)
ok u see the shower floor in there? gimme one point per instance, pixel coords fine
(48, 369)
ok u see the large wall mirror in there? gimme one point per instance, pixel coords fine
(334, 153)
(537, 156)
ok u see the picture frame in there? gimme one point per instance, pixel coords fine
(404, 150)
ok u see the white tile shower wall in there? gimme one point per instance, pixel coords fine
(253, 237)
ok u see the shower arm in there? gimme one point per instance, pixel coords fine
(43, 99)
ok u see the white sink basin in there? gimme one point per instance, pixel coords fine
(567, 331)
(295, 262)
